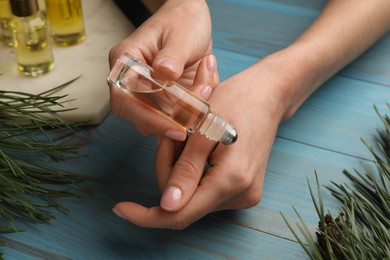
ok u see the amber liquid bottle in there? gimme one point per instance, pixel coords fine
(66, 21)
(32, 43)
(170, 99)
(5, 19)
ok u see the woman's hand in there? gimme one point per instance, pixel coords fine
(255, 101)
(173, 41)
(252, 101)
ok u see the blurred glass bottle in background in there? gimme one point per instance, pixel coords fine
(66, 21)
(42, 7)
(5, 18)
(32, 42)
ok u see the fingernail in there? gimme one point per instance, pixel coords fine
(206, 92)
(171, 198)
(119, 214)
(176, 135)
(169, 65)
(211, 63)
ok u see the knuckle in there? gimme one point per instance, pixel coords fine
(146, 127)
(113, 54)
(252, 199)
(246, 184)
(187, 169)
(181, 224)
(142, 131)
(242, 181)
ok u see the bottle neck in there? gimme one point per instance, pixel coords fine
(216, 128)
(24, 8)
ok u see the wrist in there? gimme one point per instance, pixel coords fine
(294, 74)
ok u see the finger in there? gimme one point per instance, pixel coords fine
(167, 153)
(186, 173)
(171, 60)
(126, 46)
(216, 77)
(207, 71)
(146, 120)
(203, 91)
(204, 80)
(205, 201)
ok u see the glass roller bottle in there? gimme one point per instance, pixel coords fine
(170, 99)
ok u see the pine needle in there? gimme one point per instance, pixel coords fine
(362, 229)
(32, 137)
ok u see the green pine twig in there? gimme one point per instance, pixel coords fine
(362, 228)
(33, 136)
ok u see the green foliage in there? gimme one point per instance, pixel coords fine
(362, 229)
(33, 137)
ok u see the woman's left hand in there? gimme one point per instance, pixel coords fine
(251, 102)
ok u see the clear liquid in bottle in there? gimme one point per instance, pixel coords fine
(170, 99)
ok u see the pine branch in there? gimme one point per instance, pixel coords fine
(32, 137)
(362, 228)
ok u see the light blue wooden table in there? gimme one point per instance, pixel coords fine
(323, 136)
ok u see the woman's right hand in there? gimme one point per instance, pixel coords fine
(173, 41)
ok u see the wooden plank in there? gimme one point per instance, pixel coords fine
(322, 136)
(14, 254)
(261, 27)
(329, 119)
(211, 239)
(121, 162)
(373, 65)
(92, 231)
(289, 167)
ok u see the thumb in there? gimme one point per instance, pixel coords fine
(186, 174)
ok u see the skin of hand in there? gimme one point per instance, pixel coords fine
(255, 101)
(164, 43)
(232, 181)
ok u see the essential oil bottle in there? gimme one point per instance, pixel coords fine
(170, 99)
(42, 7)
(32, 43)
(66, 21)
(5, 19)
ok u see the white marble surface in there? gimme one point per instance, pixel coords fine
(105, 26)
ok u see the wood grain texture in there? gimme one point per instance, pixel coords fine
(120, 163)
(257, 28)
(323, 136)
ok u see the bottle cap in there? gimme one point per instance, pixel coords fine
(23, 8)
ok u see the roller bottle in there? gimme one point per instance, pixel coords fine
(170, 99)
